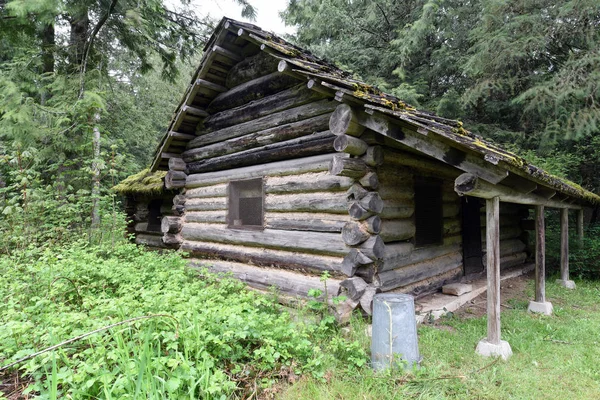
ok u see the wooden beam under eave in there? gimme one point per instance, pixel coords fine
(519, 183)
(344, 115)
(580, 227)
(470, 185)
(564, 251)
(197, 112)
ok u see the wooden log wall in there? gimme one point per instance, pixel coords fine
(513, 247)
(152, 233)
(403, 267)
(381, 233)
(273, 127)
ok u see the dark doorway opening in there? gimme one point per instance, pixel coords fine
(471, 235)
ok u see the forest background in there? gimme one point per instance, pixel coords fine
(87, 86)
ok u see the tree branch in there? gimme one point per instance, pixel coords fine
(90, 43)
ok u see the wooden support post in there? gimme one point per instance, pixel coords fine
(493, 345)
(493, 269)
(540, 305)
(540, 255)
(564, 250)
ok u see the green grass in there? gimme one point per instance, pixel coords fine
(216, 340)
(554, 357)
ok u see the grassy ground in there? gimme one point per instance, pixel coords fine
(213, 339)
(554, 357)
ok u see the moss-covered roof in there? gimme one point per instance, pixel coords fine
(144, 182)
(325, 74)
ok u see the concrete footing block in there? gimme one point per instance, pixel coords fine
(566, 283)
(540, 307)
(488, 349)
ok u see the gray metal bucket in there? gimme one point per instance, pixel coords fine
(394, 339)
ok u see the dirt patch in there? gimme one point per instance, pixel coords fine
(513, 294)
(12, 386)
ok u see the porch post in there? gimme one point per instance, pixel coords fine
(540, 305)
(493, 345)
(564, 250)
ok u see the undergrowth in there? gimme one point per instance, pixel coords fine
(212, 338)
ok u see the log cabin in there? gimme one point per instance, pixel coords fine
(277, 166)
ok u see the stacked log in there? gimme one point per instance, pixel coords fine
(359, 161)
(513, 249)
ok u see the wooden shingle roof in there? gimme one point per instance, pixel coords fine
(227, 46)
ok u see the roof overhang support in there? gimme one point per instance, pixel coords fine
(540, 305)
(345, 120)
(470, 185)
(492, 345)
(564, 250)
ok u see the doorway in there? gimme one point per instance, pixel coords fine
(471, 235)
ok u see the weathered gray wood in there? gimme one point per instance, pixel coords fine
(354, 233)
(251, 90)
(350, 145)
(370, 181)
(315, 243)
(287, 116)
(263, 256)
(372, 202)
(203, 83)
(403, 253)
(181, 136)
(150, 240)
(400, 277)
(344, 116)
(206, 204)
(171, 224)
(402, 191)
(373, 224)
(179, 199)
(358, 212)
(367, 272)
(421, 163)
(344, 166)
(287, 282)
(308, 221)
(373, 247)
(493, 270)
(280, 133)
(580, 228)
(305, 183)
(374, 156)
(510, 260)
(345, 122)
(355, 287)
(251, 68)
(354, 260)
(176, 164)
(172, 239)
(357, 192)
(196, 112)
(564, 244)
(330, 202)
(175, 179)
(397, 209)
(540, 255)
(469, 184)
(366, 301)
(140, 227)
(279, 168)
(215, 216)
(393, 230)
(207, 191)
(451, 226)
(305, 146)
(293, 97)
